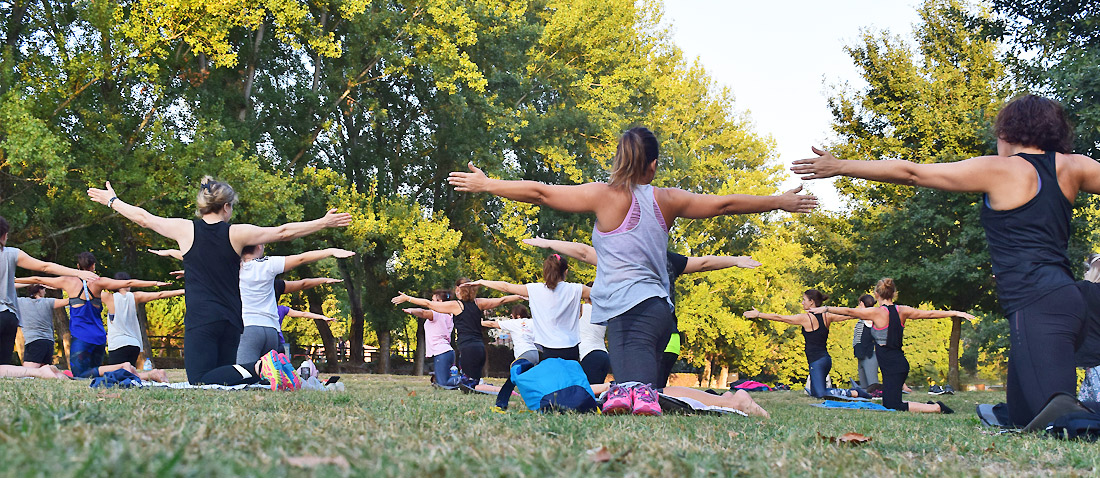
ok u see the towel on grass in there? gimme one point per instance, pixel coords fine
(867, 405)
(117, 378)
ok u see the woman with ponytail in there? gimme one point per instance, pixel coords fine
(888, 322)
(211, 250)
(815, 329)
(631, 238)
(555, 308)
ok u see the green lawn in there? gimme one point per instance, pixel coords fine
(399, 426)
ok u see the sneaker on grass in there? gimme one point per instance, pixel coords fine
(272, 371)
(645, 400)
(620, 399)
(290, 376)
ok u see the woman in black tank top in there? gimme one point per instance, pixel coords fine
(815, 329)
(211, 261)
(1029, 187)
(468, 315)
(891, 359)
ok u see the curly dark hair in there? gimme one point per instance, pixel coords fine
(1031, 120)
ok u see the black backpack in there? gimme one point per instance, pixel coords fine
(1076, 426)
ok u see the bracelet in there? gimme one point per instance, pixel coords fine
(111, 201)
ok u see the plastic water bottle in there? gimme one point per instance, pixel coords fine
(454, 375)
(147, 366)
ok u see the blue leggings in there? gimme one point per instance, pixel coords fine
(442, 364)
(819, 371)
(85, 358)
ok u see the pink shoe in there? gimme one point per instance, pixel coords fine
(619, 400)
(645, 400)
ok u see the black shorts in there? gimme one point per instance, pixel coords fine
(39, 351)
(128, 353)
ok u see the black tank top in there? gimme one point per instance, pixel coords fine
(1027, 245)
(893, 330)
(817, 339)
(212, 277)
(468, 325)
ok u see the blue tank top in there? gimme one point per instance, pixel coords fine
(1028, 245)
(86, 318)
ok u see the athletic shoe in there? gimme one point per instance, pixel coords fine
(935, 390)
(874, 387)
(1059, 405)
(496, 409)
(645, 400)
(290, 377)
(272, 371)
(944, 409)
(619, 400)
(947, 390)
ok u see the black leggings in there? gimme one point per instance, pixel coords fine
(9, 326)
(637, 338)
(572, 353)
(895, 369)
(471, 359)
(1041, 361)
(209, 353)
(596, 365)
(128, 353)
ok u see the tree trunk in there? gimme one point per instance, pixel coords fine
(953, 354)
(384, 338)
(250, 74)
(315, 301)
(61, 325)
(723, 377)
(418, 360)
(143, 324)
(355, 341)
(704, 379)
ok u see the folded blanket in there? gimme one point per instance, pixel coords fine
(117, 378)
(866, 405)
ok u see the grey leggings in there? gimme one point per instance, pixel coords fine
(637, 338)
(256, 341)
(868, 371)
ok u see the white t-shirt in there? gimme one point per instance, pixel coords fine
(258, 305)
(592, 335)
(556, 314)
(523, 340)
(123, 328)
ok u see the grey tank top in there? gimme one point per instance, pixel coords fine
(8, 299)
(631, 261)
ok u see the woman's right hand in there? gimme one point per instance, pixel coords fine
(791, 201)
(747, 316)
(474, 181)
(341, 253)
(102, 196)
(336, 219)
(87, 276)
(537, 242)
(401, 297)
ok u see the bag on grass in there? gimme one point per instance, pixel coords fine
(1076, 426)
(553, 385)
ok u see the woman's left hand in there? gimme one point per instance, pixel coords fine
(473, 182)
(401, 297)
(825, 165)
(102, 196)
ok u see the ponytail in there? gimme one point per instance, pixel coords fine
(553, 270)
(213, 196)
(816, 297)
(885, 289)
(637, 148)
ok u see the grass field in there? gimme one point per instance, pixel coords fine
(399, 426)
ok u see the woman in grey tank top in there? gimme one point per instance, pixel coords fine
(630, 293)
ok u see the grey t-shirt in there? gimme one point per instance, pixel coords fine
(36, 318)
(8, 257)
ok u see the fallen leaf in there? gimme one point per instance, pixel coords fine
(412, 393)
(599, 455)
(734, 434)
(991, 448)
(853, 438)
(310, 461)
(471, 412)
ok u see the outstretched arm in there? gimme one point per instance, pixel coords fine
(868, 313)
(972, 175)
(799, 319)
(114, 284)
(506, 287)
(486, 304)
(581, 252)
(242, 235)
(27, 262)
(452, 307)
(713, 263)
(60, 303)
(419, 313)
(303, 284)
(314, 256)
(51, 282)
(308, 315)
(578, 198)
(680, 203)
(142, 297)
(909, 313)
(172, 228)
(492, 324)
(173, 253)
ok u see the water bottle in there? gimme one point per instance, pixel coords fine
(148, 365)
(454, 375)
